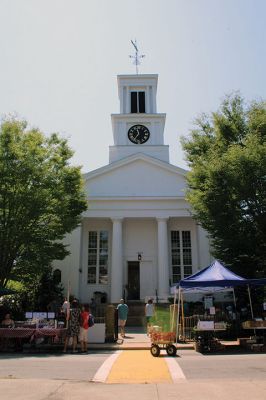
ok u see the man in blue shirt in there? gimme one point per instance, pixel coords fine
(122, 309)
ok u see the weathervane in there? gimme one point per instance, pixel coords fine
(136, 57)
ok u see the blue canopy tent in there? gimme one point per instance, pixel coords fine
(215, 276)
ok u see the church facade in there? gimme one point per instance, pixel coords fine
(137, 237)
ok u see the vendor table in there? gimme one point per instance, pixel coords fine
(17, 333)
(29, 332)
(59, 332)
(15, 337)
(254, 324)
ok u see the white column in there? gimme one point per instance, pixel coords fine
(117, 261)
(147, 100)
(154, 108)
(122, 99)
(163, 264)
(127, 100)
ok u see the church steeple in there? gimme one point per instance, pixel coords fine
(138, 128)
(137, 93)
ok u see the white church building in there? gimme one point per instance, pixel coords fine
(137, 237)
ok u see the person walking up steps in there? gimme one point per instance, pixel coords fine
(122, 309)
(149, 312)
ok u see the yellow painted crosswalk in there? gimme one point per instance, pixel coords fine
(139, 366)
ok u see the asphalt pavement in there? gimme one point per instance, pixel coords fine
(132, 374)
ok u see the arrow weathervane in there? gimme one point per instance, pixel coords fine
(136, 57)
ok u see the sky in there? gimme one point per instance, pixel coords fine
(59, 60)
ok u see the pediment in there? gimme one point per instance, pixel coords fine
(136, 176)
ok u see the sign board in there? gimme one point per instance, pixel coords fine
(205, 325)
(39, 315)
(212, 310)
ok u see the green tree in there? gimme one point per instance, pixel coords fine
(41, 199)
(227, 182)
(41, 293)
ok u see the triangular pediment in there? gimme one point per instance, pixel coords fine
(136, 176)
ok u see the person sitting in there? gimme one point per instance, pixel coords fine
(8, 322)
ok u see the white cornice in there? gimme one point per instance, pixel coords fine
(137, 76)
(147, 79)
(136, 198)
(137, 116)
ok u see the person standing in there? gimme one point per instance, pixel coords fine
(84, 326)
(65, 306)
(149, 312)
(73, 318)
(122, 310)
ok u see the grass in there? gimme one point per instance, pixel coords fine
(162, 318)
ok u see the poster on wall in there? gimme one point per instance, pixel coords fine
(212, 310)
(208, 302)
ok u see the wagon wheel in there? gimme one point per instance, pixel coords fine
(155, 350)
(171, 350)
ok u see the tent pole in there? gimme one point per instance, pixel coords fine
(234, 298)
(68, 290)
(173, 315)
(251, 308)
(177, 319)
(182, 315)
(250, 302)
(68, 296)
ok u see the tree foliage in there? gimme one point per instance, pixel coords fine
(227, 182)
(40, 292)
(41, 199)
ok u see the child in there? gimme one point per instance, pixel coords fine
(84, 326)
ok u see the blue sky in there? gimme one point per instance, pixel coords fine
(60, 58)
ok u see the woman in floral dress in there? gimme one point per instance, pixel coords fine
(73, 318)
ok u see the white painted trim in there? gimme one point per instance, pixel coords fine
(135, 198)
(137, 116)
(104, 370)
(175, 370)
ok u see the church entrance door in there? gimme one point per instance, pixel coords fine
(133, 283)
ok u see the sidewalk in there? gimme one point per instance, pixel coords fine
(135, 339)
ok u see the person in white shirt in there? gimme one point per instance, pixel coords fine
(149, 312)
(66, 306)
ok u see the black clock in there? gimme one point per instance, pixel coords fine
(138, 134)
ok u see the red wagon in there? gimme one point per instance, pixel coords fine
(163, 340)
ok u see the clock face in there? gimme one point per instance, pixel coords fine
(138, 134)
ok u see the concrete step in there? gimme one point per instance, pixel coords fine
(136, 320)
(136, 309)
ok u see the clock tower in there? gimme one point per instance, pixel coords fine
(138, 128)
